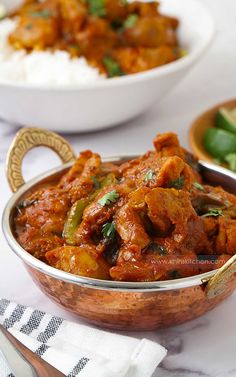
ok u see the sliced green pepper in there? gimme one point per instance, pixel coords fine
(110, 179)
(74, 218)
(75, 214)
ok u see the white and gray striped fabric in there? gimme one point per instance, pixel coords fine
(78, 350)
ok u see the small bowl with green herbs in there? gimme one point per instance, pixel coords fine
(213, 135)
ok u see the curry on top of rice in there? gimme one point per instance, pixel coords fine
(115, 36)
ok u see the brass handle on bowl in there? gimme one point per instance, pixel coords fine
(217, 284)
(29, 138)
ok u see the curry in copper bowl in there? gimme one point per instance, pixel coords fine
(148, 219)
(131, 243)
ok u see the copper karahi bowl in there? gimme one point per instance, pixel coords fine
(113, 304)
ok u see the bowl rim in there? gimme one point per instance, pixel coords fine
(99, 284)
(161, 71)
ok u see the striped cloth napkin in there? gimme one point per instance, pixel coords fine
(78, 350)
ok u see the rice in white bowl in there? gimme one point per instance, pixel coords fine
(41, 67)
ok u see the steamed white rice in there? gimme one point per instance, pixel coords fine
(43, 68)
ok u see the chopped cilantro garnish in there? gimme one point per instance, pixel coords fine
(109, 198)
(198, 186)
(44, 13)
(130, 21)
(177, 183)
(149, 175)
(97, 7)
(213, 212)
(109, 230)
(26, 203)
(113, 68)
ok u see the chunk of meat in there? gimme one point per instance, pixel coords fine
(38, 28)
(45, 209)
(81, 261)
(175, 266)
(155, 267)
(169, 207)
(148, 9)
(96, 214)
(76, 169)
(175, 173)
(96, 39)
(116, 10)
(167, 144)
(135, 271)
(137, 169)
(219, 194)
(154, 171)
(139, 59)
(83, 185)
(226, 238)
(38, 243)
(73, 16)
(130, 227)
(151, 32)
(137, 198)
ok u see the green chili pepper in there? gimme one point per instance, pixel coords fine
(110, 179)
(74, 218)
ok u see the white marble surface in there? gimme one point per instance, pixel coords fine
(204, 347)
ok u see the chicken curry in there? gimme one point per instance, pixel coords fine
(115, 36)
(151, 218)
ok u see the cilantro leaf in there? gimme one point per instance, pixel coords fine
(109, 198)
(109, 230)
(97, 7)
(198, 186)
(177, 183)
(26, 203)
(130, 21)
(149, 175)
(213, 212)
(113, 68)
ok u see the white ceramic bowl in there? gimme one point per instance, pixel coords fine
(111, 101)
